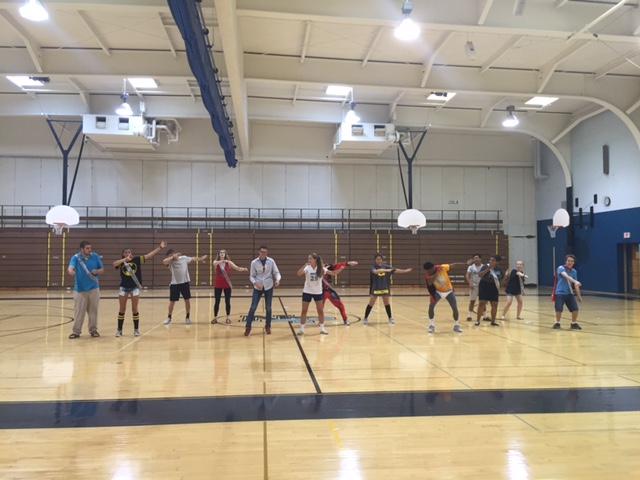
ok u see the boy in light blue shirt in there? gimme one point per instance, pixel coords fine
(85, 266)
(567, 283)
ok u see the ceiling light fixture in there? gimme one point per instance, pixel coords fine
(24, 81)
(541, 101)
(352, 117)
(124, 109)
(338, 91)
(142, 83)
(440, 97)
(470, 50)
(511, 120)
(34, 10)
(408, 30)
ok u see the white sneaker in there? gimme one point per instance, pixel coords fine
(118, 333)
(432, 329)
(392, 321)
(323, 331)
(502, 317)
(365, 322)
(136, 333)
(457, 328)
(300, 332)
(167, 321)
(187, 320)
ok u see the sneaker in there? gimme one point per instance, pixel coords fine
(300, 332)
(469, 319)
(556, 326)
(95, 334)
(167, 321)
(477, 323)
(73, 336)
(365, 321)
(346, 322)
(136, 333)
(392, 321)
(457, 328)
(575, 326)
(502, 317)
(187, 321)
(227, 320)
(267, 330)
(431, 329)
(214, 321)
(118, 333)
(494, 323)
(247, 331)
(323, 331)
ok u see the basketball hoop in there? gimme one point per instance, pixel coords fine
(61, 217)
(412, 219)
(553, 229)
(561, 219)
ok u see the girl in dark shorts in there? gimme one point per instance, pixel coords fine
(380, 286)
(313, 271)
(489, 289)
(515, 288)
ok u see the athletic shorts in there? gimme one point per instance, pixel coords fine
(380, 293)
(473, 293)
(307, 297)
(175, 290)
(488, 292)
(126, 291)
(566, 299)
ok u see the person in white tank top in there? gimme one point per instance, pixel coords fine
(313, 271)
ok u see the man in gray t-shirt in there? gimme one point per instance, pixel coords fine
(180, 285)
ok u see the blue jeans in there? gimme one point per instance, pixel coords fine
(255, 300)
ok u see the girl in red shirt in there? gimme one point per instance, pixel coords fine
(224, 266)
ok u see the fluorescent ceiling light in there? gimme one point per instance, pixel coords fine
(407, 31)
(338, 90)
(34, 10)
(441, 97)
(541, 101)
(143, 82)
(24, 81)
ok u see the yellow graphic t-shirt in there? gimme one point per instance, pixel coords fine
(441, 279)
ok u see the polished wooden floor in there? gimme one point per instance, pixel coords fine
(39, 363)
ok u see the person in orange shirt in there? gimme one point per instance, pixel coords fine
(439, 286)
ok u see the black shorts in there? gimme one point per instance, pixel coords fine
(487, 292)
(307, 297)
(175, 290)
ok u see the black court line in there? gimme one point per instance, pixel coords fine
(165, 411)
(306, 360)
(282, 305)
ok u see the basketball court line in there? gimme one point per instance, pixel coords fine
(251, 408)
(316, 385)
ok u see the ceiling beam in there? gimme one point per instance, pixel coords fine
(561, 3)
(615, 63)
(93, 30)
(486, 8)
(296, 89)
(167, 35)
(394, 104)
(498, 54)
(190, 90)
(633, 107)
(32, 45)
(372, 46)
(550, 67)
(487, 111)
(82, 91)
(428, 65)
(305, 41)
(576, 120)
(600, 18)
(233, 58)
(434, 26)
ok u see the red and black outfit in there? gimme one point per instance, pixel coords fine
(223, 284)
(328, 293)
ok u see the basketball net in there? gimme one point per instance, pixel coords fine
(553, 229)
(414, 229)
(58, 228)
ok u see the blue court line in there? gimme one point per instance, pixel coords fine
(164, 411)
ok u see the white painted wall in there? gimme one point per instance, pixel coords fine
(550, 191)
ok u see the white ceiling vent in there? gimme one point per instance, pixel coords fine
(368, 139)
(113, 133)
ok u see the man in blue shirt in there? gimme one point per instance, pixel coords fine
(566, 291)
(85, 266)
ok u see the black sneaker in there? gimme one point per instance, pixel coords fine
(575, 326)
(73, 336)
(95, 334)
(477, 323)
(494, 323)
(556, 326)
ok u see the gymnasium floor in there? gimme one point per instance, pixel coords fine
(520, 401)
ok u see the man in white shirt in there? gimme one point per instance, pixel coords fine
(180, 281)
(473, 279)
(265, 276)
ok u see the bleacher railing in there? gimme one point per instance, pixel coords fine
(27, 216)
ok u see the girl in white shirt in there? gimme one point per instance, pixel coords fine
(313, 271)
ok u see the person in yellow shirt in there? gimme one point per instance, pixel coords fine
(439, 286)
